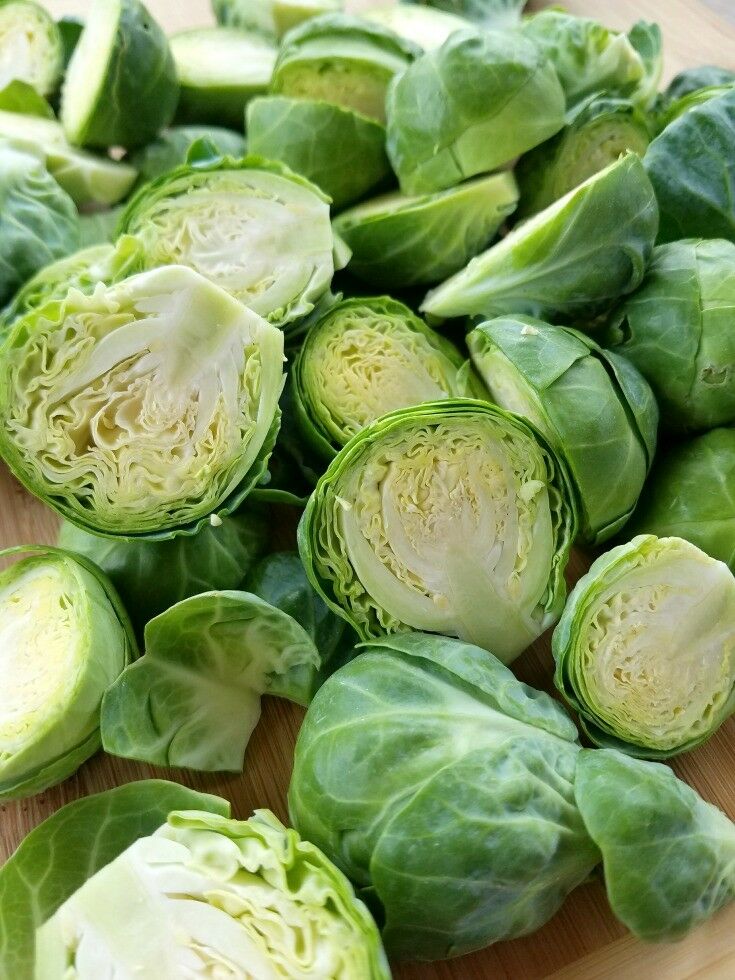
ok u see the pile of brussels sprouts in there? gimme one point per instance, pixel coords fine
(454, 288)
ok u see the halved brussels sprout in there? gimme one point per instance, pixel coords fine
(271, 17)
(368, 357)
(570, 261)
(81, 270)
(594, 409)
(252, 226)
(86, 177)
(425, 26)
(442, 130)
(645, 649)
(205, 895)
(598, 131)
(120, 87)
(151, 576)
(678, 331)
(144, 407)
(219, 70)
(340, 150)
(398, 241)
(341, 59)
(30, 46)
(689, 494)
(64, 638)
(451, 517)
(38, 220)
(171, 148)
(693, 188)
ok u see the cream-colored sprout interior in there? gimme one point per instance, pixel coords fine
(658, 661)
(87, 69)
(146, 403)
(41, 652)
(341, 81)
(223, 57)
(27, 48)
(363, 363)
(449, 526)
(195, 903)
(264, 238)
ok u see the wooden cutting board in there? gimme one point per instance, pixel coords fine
(583, 941)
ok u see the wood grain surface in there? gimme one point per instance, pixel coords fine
(583, 941)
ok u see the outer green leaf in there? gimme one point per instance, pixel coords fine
(169, 149)
(644, 650)
(99, 227)
(18, 96)
(399, 241)
(69, 847)
(31, 50)
(668, 856)
(570, 261)
(193, 698)
(470, 107)
(459, 821)
(340, 150)
(692, 79)
(691, 494)
(565, 385)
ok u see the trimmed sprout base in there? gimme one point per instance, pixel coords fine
(645, 650)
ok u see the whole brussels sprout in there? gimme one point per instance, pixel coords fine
(31, 50)
(692, 79)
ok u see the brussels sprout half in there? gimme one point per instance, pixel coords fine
(470, 107)
(425, 26)
(219, 70)
(368, 357)
(271, 17)
(171, 148)
(64, 638)
(595, 410)
(341, 59)
(451, 517)
(398, 241)
(691, 494)
(30, 46)
(571, 261)
(204, 895)
(38, 220)
(252, 226)
(598, 131)
(120, 87)
(677, 329)
(340, 150)
(645, 648)
(153, 403)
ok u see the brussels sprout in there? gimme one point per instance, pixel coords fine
(593, 408)
(64, 639)
(644, 649)
(21, 97)
(668, 856)
(398, 241)
(99, 227)
(193, 698)
(151, 576)
(598, 131)
(205, 895)
(470, 107)
(588, 58)
(86, 177)
(38, 220)
(342, 151)
(694, 189)
(571, 261)
(671, 111)
(365, 358)
(425, 26)
(444, 788)
(220, 69)
(273, 17)
(170, 149)
(39, 876)
(120, 87)
(677, 330)
(154, 403)
(252, 226)
(692, 79)
(82, 270)
(341, 59)
(689, 494)
(451, 517)
(30, 46)
(487, 13)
